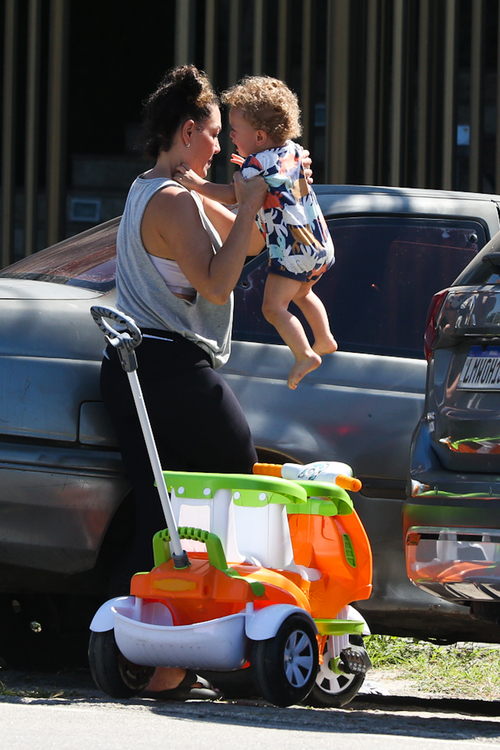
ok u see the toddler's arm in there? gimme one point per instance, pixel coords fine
(192, 181)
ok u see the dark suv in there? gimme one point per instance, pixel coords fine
(64, 497)
(452, 521)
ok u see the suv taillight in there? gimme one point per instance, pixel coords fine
(430, 324)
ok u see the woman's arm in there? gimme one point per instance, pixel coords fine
(172, 228)
(223, 219)
(214, 195)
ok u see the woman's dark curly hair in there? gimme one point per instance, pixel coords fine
(185, 93)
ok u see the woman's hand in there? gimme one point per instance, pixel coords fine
(305, 158)
(250, 194)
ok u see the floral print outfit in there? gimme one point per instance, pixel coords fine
(297, 237)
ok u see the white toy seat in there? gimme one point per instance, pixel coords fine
(214, 514)
(247, 513)
(263, 535)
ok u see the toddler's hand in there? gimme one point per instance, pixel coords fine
(185, 176)
(237, 159)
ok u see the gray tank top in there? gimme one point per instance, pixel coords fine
(143, 294)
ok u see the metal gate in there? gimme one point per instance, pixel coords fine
(393, 92)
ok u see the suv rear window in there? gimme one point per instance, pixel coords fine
(378, 292)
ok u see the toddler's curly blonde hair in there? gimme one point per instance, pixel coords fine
(267, 104)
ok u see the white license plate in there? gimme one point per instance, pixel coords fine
(481, 371)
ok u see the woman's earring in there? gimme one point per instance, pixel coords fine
(188, 144)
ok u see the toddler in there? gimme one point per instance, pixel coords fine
(264, 115)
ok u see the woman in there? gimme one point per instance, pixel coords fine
(178, 259)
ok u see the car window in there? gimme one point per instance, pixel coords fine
(86, 260)
(378, 292)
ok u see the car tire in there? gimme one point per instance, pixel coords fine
(331, 689)
(112, 672)
(41, 631)
(284, 667)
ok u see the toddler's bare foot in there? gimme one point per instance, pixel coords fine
(325, 346)
(301, 368)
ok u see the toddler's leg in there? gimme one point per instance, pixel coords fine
(315, 314)
(278, 293)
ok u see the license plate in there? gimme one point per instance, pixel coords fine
(481, 371)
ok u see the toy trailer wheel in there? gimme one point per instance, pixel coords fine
(284, 668)
(331, 688)
(112, 672)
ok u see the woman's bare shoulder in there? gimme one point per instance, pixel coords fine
(172, 202)
(170, 192)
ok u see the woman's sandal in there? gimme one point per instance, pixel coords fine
(186, 690)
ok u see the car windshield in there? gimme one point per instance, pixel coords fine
(87, 260)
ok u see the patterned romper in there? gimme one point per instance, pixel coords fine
(297, 237)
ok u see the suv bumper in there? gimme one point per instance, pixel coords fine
(451, 525)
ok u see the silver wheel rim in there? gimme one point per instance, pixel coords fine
(329, 681)
(298, 658)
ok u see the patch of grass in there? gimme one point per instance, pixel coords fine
(31, 693)
(462, 669)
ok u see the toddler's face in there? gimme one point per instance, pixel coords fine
(243, 135)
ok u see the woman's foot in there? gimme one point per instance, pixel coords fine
(301, 368)
(174, 684)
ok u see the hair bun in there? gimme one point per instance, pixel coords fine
(187, 80)
(184, 93)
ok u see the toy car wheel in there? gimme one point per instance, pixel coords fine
(334, 689)
(284, 667)
(112, 672)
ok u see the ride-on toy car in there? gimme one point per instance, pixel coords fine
(266, 578)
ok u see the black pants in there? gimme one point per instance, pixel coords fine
(197, 422)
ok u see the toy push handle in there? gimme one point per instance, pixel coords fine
(122, 333)
(342, 480)
(125, 339)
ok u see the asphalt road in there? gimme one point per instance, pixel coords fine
(65, 711)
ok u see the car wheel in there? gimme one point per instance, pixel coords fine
(334, 689)
(42, 631)
(112, 672)
(284, 667)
